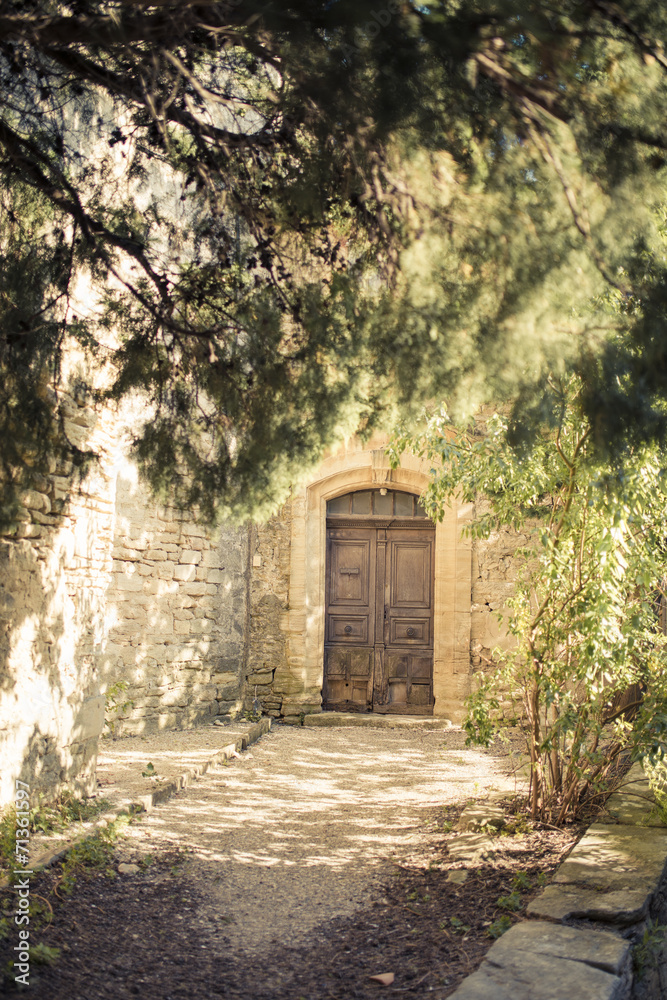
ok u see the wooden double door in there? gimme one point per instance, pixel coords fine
(378, 651)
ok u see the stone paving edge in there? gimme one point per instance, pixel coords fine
(245, 736)
(579, 942)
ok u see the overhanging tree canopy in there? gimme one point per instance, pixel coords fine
(290, 217)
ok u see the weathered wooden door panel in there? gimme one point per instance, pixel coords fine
(350, 570)
(409, 682)
(350, 619)
(348, 628)
(379, 597)
(348, 678)
(408, 626)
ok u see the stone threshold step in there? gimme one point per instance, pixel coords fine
(331, 719)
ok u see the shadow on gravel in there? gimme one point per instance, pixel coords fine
(273, 901)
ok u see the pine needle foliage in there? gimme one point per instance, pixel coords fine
(277, 223)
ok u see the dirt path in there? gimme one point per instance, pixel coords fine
(312, 819)
(275, 877)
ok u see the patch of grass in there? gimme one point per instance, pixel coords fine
(499, 926)
(458, 926)
(93, 854)
(646, 952)
(8, 839)
(42, 954)
(511, 902)
(67, 809)
(46, 818)
(521, 882)
(518, 826)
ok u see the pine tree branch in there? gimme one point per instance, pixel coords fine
(615, 15)
(540, 137)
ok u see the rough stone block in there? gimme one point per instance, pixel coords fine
(212, 559)
(600, 949)
(610, 876)
(634, 803)
(227, 692)
(89, 720)
(193, 530)
(190, 558)
(127, 555)
(479, 816)
(184, 573)
(471, 847)
(286, 683)
(36, 501)
(128, 584)
(260, 677)
(542, 962)
(225, 677)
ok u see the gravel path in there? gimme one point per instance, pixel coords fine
(304, 827)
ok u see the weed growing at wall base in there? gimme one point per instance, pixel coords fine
(95, 853)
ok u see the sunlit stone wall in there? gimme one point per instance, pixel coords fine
(176, 615)
(111, 604)
(56, 567)
(268, 678)
(493, 583)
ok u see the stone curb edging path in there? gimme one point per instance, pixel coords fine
(589, 916)
(239, 735)
(579, 942)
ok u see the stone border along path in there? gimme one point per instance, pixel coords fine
(610, 890)
(119, 767)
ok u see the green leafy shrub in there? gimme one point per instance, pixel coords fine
(584, 671)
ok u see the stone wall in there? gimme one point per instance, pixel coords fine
(177, 609)
(56, 567)
(104, 592)
(106, 596)
(493, 583)
(266, 671)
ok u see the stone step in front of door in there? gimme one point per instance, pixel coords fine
(332, 719)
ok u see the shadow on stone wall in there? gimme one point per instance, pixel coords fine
(54, 573)
(176, 615)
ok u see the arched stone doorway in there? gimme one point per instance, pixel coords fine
(352, 470)
(378, 641)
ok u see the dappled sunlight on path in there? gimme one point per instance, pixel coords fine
(309, 819)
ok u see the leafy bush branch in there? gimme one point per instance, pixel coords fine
(584, 674)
